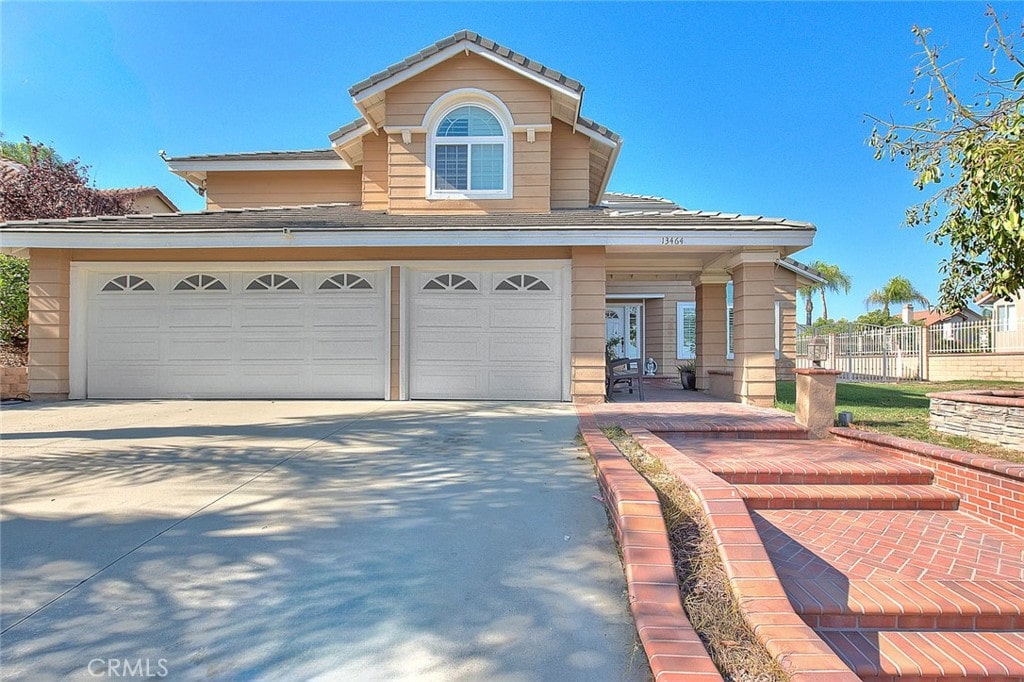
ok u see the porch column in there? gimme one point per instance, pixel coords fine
(588, 291)
(711, 322)
(49, 317)
(753, 281)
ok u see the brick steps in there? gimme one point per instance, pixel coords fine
(854, 496)
(909, 604)
(913, 655)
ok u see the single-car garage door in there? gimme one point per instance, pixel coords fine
(487, 334)
(263, 332)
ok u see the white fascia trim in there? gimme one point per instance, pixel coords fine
(451, 51)
(664, 239)
(800, 273)
(612, 158)
(631, 297)
(180, 168)
(356, 134)
(594, 135)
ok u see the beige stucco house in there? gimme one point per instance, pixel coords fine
(457, 240)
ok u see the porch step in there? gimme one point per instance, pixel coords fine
(799, 462)
(839, 604)
(855, 496)
(917, 655)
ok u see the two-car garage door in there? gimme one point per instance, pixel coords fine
(214, 333)
(277, 330)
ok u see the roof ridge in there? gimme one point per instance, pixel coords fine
(466, 35)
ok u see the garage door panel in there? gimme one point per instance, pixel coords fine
(181, 317)
(353, 350)
(525, 317)
(234, 342)
(273, 315)
(526, 350)
(490, 343)
(468, 315)
(200, 348)
(127, 348)
(133, 316)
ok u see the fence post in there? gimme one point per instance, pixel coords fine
(924, 353)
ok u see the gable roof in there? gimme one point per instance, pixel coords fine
(802, 270)
(474, 42)
(193, 168)
(145, 191)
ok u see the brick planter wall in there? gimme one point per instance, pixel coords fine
(992, 489)
(990, 416)
(13, 382)
(987, 366)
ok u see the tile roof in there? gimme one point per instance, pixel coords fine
(797, 266)
(298, 155)
(349, 216)
(348, 128)
(601, 130)
(505, 53)
(621, 200)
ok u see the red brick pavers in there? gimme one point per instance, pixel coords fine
(674, 650)
(917, 593)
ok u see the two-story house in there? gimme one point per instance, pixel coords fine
(457, 240)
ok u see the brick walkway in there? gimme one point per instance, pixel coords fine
(871, 554)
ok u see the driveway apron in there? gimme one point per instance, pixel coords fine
(287, 540)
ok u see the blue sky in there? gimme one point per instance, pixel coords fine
(748, 108)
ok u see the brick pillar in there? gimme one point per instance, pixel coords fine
(588, 303)
(753, 277)
(49, 317)
(711, 322)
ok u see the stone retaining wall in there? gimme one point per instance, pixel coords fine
(990, 416)
(13, 382)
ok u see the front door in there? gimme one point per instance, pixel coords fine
(624, 333)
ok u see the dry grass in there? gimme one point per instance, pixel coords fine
(703, 583)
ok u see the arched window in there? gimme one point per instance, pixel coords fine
(127, 283)
(272, 282)
(200, 282)
(469, 154)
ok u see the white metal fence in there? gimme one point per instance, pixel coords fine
(982, 336)
(899, 353)
(863, 352)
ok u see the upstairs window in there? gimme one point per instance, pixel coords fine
(470, 155)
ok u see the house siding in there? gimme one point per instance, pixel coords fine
(49, 319)
(406, 106)
(587, 343)
(570, 167)
(375, 173)
(248, 189)
(785, 295)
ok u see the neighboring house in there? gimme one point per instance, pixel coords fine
(145, 199)
(456, 241)
(930, 318)
(1007, 327)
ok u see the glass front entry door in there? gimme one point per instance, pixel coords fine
(623, 330)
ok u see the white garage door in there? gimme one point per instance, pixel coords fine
(262, 333)
(488, 335)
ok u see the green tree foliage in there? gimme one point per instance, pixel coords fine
(974, 148)
(896, 290)
(39, 184)
(878, 318)
(835, 281)
(13, 300)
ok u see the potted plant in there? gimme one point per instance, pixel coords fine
(688, 374)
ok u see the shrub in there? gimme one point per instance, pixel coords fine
(13, 300)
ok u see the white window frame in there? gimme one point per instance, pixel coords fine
(436, 113)
(1005, 315)
(683, 351)
(730, 352)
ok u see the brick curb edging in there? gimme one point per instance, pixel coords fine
(990, 488)
(758, 590)
(673, 648)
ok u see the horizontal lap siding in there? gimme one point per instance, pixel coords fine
(570, 167)
(785, 293)
(375, 172)
(407, 104)
(248, 189)
(659, 314)
(49, 320)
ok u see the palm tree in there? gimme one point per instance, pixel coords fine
(896, 290)
(835, 281)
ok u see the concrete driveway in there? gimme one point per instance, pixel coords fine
(288, 540)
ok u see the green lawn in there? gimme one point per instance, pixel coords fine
(902, 410)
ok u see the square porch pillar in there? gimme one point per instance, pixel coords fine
(588, 304)
(711, 325)
(753, 278)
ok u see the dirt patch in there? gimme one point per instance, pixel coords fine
(12, 356)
